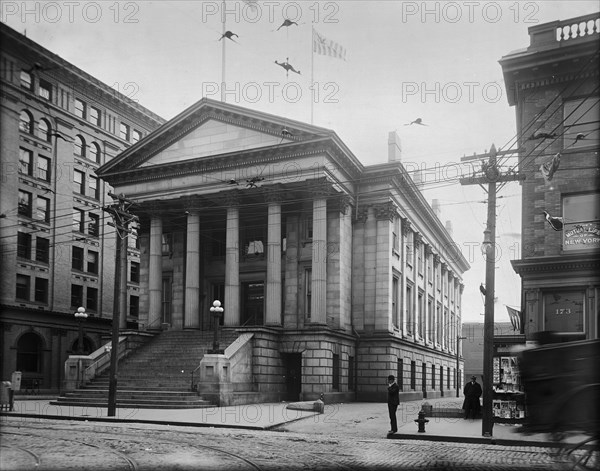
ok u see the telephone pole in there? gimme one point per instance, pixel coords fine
(492, 176)
(122, 218)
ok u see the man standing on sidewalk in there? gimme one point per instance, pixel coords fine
(472, 393)
(393, 401)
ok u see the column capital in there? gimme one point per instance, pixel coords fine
(274, 194)
(319, 188)
(418, 238)
(232, 198)
(341, 203)
(428, 250)
(362, 213)
(387, 210)
(444, 266)
(406, 226)
(436, 259)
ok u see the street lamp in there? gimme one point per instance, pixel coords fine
(81, 316)
(458, 339)
(216, 310)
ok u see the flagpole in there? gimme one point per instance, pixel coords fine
(223, 54)
(312, 72)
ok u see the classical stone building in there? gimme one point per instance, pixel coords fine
(342, 272)
(58, 125)
(553, 84)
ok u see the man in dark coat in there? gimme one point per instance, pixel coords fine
(472, 393)
(393, 401)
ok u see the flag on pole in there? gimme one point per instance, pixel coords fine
(515, 318)
(327, 47)
(549, 167)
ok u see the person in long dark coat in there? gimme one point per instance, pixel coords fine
(472, 392)
(393, 401)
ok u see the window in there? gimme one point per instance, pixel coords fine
(441, 378)
(409, 310)
(582, 222)
(395, 306)
(79, 179)
(43, 168)
(395, 235)
(419, 249)
(134, 272)
(309, 228)
(43, 130)
(125, 131)
(94, 225)
(92, 262)
(24, 203)
(91, 300)
(41, 290)
(24, 245)
(413, 375)
(421, 320)
(76, 296)
(94, 152)
(430, 268)
(43, 209)
(77, 259)
(134, 306)
(448, 377)
(133, 241)
(78, 220)
(45, 90)
(167, 244)
(400, 374)
(432, 376)
(254, 241)
(581, 118)
(136, 136)
(42, 250)
(25, 161)
(336, 372)
(26, 81)
(93, 188)
(26, 122)
(29, 353)
(79, 108)
(23, 284)
(79, 146)
(307, 291)
(430, 319)
(351, 367)
(94, 116)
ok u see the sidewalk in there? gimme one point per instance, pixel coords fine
(358, 419)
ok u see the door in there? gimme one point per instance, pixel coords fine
(292, 363)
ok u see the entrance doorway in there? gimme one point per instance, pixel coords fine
(253, 302)
(292, 364)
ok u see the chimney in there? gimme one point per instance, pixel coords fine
(394, 147)
(449, 227)
(435, 205)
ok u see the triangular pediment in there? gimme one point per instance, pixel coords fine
(214, 137)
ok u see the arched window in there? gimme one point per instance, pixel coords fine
(26, 122)
(79, 146)
(29, 353)
(94, 152)
(43, 130)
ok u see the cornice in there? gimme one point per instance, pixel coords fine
(588, 262)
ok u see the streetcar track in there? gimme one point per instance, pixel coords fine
(29, 452)
(190, 437)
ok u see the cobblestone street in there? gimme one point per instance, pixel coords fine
(44, 444)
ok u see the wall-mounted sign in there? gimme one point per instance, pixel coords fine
(563, 311)
(584, 236)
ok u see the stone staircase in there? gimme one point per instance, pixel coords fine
(158, 375)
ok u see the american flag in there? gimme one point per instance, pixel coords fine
(515, 318)
(327, 47)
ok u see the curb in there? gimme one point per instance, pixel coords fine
(474, 440)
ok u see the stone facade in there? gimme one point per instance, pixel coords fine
(338, 270)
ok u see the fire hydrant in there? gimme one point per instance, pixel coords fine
(421, 421)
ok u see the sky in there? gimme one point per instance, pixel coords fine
(404, 60)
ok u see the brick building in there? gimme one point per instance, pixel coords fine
(58, 125)
(553, 84)
(342, 272)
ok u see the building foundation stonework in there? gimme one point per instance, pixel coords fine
(321, 274)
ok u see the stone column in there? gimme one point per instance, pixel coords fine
(319, 261)
(232, 264)
(405, 228)
(192, 272)
(155, 273)
(273, 297)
